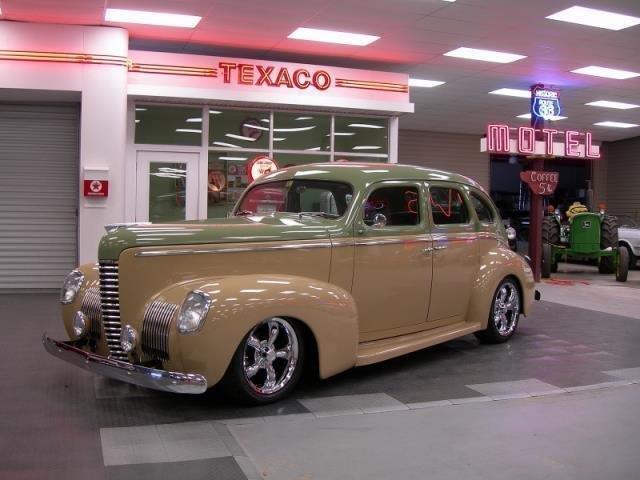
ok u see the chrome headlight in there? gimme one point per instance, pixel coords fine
(193, 311)
(511, 233)
(80, 324)
(71, 287)
(128, 338)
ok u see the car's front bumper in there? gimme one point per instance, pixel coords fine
(127, 372)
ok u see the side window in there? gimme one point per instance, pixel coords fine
(398, 204)
(482, 208)
(447, 206)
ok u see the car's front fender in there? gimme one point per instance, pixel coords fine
(240, 302)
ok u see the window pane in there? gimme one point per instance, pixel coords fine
(285, 160)
(168, 125)
(361, 135)
(447, 206)
(167, 183)
(295, 131)
(296, 196)
(482, 208)
(226, 180)
(398, 204)
(238, 129)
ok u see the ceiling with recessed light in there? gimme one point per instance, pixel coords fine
(414, 36)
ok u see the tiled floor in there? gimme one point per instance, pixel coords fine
(58, 421)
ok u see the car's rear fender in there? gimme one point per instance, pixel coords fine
(494, 267)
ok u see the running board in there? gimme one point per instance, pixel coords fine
(386, 348)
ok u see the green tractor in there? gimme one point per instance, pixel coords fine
(587, 236)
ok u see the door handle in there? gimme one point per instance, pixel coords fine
(440, 247)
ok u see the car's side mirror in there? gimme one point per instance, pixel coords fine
(379, 221)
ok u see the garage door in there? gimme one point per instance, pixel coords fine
(38, 195)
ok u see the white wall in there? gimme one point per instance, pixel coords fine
(458, 153)
(103, 93)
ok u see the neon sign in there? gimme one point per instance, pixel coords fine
(545, 141)
(545, 103)
(249, 74)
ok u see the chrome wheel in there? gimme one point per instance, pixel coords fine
(506, 308)
(270, 356)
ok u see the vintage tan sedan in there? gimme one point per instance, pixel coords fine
(319, 268)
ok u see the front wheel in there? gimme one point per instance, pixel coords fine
(622, 269)
(504, 314)
(268, 363)
(632, 258)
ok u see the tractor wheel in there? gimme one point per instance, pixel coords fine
(550, 231)
(622, 269)
(546, 260)
(608, 239)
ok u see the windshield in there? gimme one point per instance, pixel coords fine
(297, 196)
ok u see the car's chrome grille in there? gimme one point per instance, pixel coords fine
(155, 329)
(91, 308)
(110, 306)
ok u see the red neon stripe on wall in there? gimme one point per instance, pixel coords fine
(63, 57)
(173, 70)
(370, 85)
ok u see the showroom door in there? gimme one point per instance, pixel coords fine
(167, 186)
(38, 195)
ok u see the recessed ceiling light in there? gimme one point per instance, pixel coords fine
(364, 125)
(553, 119)
(331, 36)
(512, 92)
(224, 144)
(118, 15)
(606, 72)
(256, 127)
(419, 82)
(608, 104)
(595, 18)
(616, 124)
(484, 55)
(294, 129)
(240, 137)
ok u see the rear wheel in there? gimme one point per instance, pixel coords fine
(622, 269)
(550, 231)
(504, 314)
(608, 239)
(268, 363)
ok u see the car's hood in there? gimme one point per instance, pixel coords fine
(222, 230)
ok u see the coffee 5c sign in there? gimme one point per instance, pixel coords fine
(541, 183)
